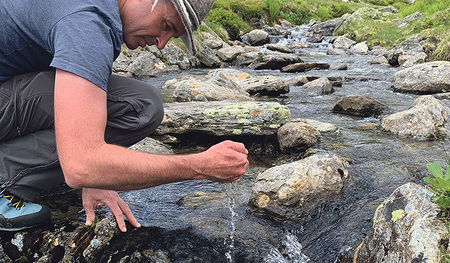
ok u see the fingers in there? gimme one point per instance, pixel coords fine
(237, 146)
(119, 209)
(90, 214)
(96, 197)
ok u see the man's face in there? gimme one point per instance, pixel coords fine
(142, 27)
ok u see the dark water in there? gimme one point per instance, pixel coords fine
(380, 163)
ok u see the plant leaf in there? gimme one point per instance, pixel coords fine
(435, 169)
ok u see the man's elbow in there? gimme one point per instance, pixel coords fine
(76, 176)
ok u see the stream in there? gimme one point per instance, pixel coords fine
(331, 232)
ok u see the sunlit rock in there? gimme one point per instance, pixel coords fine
(422, 120)
(291, 190)
(426, 78)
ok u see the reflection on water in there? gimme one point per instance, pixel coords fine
(380, 163)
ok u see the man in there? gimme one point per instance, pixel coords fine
(63, 116)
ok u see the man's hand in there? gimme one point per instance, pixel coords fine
(224, 162)
(95, 197)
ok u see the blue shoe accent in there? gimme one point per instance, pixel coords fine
(16, 214)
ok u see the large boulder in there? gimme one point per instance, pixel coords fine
(223, 118)
(290, 190)
(406, 228)
(426, 78)
(422, 120)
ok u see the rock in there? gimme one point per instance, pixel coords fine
(319, 86)
(258, 37)
(411, 45)
(328, 28)
(380, 60)
(406, 228)
(302, 67)
(150, 145)
(279, 48)
(174, 55)
(420, 121)
(337, 51)
(360, 48)
(291, 190)
(148, 65)
(322, 127)
(378, 51)
(405, 21)
(343, 42)
(207, 57)
(358, 105)
(297, 137)
(223, 118)
(228, 54)
(411, 60)
(389, 9)
(426, 78)
(274, 60)
(296, 45)
(297, 81)
(335, 81)
(264, 85)
(105, 230)
(392, 57)
(246, 58)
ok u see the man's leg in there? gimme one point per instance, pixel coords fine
(28, 158)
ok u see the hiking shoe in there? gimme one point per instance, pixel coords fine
(16, 214)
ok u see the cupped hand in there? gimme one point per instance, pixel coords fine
(96, 197)
(225, 162)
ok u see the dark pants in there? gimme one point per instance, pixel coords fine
(28, 158)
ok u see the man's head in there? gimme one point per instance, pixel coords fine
(154, 22)
(192, 13)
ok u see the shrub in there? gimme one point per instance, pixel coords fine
(228, 20)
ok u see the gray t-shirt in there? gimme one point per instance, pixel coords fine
(83, 37)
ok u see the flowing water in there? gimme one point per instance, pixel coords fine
(331, 232)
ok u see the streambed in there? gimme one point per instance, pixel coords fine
(331, 232)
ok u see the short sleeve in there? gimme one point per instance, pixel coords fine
(84, 44)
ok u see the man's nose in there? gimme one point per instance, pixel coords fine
(162, 40)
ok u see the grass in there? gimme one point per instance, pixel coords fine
(230, 19)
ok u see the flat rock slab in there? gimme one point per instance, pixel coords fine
(223, 118)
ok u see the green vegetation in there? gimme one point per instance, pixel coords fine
(232, 18)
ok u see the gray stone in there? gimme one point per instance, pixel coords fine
(426, 78)
(420, 121)
(291, 190)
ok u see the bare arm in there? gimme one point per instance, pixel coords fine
(89, 162)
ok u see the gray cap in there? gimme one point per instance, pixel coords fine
(192, 13)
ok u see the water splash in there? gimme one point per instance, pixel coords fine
(290, 252)
(230, 190)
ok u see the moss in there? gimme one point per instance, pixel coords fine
(397, 214)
